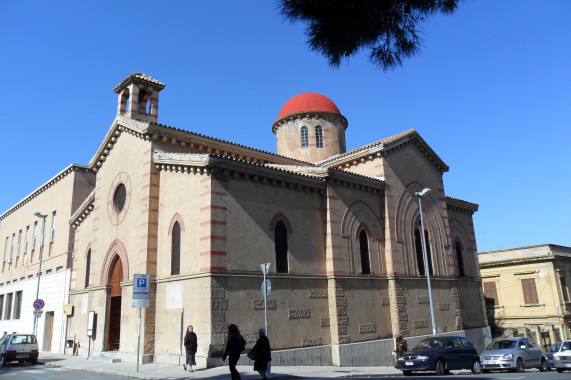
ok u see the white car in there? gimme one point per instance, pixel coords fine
(562, 359)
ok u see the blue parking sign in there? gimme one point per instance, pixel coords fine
(141, 290)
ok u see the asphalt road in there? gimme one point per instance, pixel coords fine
(26, 371)
(41, 372)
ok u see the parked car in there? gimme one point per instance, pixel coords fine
(514, 355)
(562, 358)
(549, 354)
(18, 347)
(441, 354)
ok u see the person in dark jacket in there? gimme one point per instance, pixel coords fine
(191, 345)
(262, 354)
(234, 346)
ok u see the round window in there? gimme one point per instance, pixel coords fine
(119, 198)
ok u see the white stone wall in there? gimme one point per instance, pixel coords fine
(54, 290)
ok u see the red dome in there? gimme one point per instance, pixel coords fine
(308, 101)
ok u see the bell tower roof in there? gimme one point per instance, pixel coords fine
(141, 78)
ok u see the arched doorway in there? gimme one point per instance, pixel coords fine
(114, 309)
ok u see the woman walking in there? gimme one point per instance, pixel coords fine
(262, 354)
(234, 346)
(191, 345)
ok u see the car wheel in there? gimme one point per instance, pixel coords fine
(476, 367)
(440, 368)
(2, 361)
(407, 373)
(559, 370)
(519, 367)
(34, 361)
(543, 367)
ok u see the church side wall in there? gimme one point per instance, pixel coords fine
(406, 171)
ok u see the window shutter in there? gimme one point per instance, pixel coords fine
(529, 291)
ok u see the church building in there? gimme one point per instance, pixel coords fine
(341, 230)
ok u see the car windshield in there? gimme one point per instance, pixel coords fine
(502, 345)
(566, 346)
(430, 343)
(554, 347)
(23, 339)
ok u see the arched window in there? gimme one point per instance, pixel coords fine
(364, 244)
(304, 137)
(319, 136)
(175, 249)
(460, 261)
(419, 253)
(428, 252)
(87, 268)
(281, 247)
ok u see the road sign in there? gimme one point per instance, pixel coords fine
(269, 288)
(38, 313)
(265, 268)
(39, 304)
(141, 290)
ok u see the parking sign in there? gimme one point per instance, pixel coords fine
(141, 289)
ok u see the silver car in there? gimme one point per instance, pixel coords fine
(562, 358)
(513, 354)
(18, 347)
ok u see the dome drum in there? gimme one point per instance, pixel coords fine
(310, 128)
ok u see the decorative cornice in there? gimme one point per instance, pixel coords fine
(300, 177)
(460, 205)
(58, 177)
(516, 261)
(310, 115)
(82, 211)
(333, 174)
(220, 166)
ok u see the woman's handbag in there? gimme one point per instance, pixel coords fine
(252, 355)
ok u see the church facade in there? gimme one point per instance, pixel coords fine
(340, 229)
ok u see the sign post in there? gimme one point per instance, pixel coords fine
(266, 289)
(38, 306)
(91, 326)
(141, 290)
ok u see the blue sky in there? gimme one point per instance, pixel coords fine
(490, 93)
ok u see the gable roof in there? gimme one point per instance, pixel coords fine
(384, 147)
(58, 177)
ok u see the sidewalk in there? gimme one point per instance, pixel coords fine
(170, 371)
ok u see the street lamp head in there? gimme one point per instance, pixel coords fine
(40, 215)
(424, 191)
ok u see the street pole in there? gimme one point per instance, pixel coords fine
(265, 268)
(138, 339)
(427, 271)
(40, 267)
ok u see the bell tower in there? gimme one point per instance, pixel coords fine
(139, 97)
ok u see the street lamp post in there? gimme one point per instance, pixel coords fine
(43, 217)
(426, 269)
